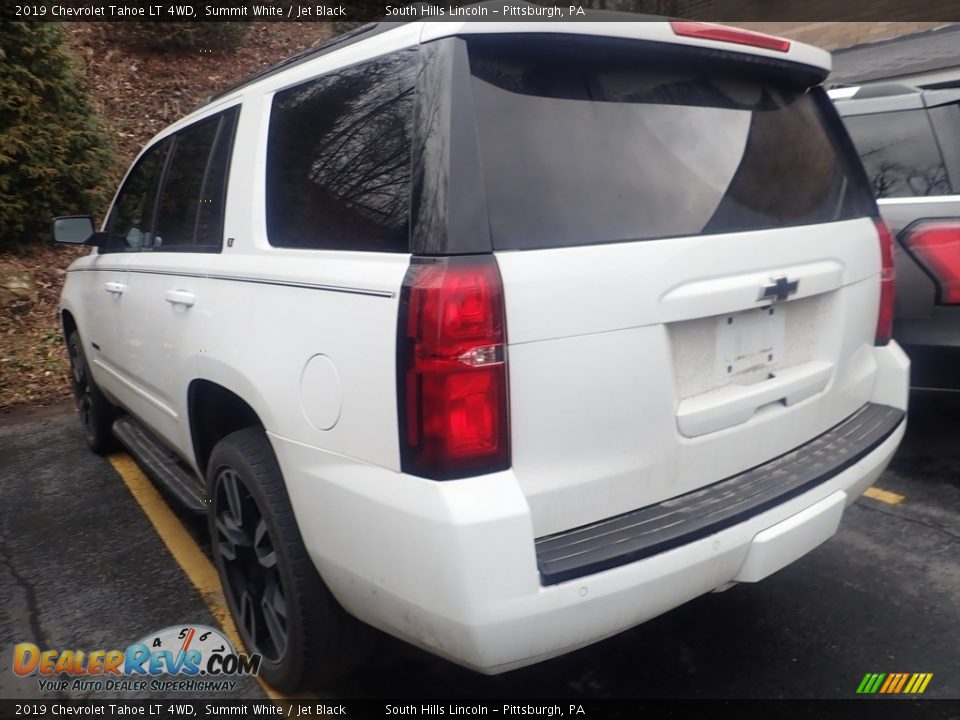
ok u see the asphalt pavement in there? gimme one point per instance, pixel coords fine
(81, 566)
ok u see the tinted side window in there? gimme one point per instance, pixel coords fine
(131, 220)
(338, 159)
(213, 197)
(193, 196)
(182, 184)
(946, 123)
(899, 153)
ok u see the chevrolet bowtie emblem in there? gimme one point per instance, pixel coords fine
(778, 290)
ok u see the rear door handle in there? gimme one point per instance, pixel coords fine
(114, 288)
(181, 297)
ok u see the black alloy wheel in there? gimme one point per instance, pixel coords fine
(250, 566)
(283, 610)
(96, 412)
(81, 387)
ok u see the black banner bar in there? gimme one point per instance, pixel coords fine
(206, 709)
(543, 10)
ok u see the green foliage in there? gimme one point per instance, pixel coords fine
(53, 156)
(180, 36)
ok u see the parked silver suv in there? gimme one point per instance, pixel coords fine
(909, 142)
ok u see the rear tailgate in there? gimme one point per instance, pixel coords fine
(689, 265)
(633, 390)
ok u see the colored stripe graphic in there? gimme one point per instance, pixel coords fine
(901, 682)
(894, 683)
(914, 682)
(870, 683)
(891, 680)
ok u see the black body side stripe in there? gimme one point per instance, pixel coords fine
(254, 280)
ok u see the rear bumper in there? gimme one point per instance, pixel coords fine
(453, 567)
(679, 521)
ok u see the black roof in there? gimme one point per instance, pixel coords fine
(374, 28)
(927, 51)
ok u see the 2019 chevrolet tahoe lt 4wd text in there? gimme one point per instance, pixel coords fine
(500, 338)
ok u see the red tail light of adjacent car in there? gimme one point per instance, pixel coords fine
(936, 243)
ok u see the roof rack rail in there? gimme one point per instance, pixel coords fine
(889, 89)
(334, 43)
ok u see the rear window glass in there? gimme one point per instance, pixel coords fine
(899, 153)
(597, 142)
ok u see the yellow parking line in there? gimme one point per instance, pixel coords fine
(885, 496)
(201, 572)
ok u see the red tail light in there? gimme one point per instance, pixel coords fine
(723, 33)
(937, 245)
(887, 283)
(452, 374)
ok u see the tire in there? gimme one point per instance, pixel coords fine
(259, 553)
(96, 412)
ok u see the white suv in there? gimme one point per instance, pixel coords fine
(502, 338)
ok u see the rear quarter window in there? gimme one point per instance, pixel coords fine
(899, 153)
(338, 159)
(946, 123)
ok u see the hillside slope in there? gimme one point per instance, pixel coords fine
(136, 94)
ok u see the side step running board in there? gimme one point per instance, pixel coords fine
(160, 464)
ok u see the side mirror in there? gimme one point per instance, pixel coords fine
(73, 229)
